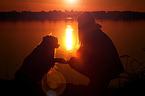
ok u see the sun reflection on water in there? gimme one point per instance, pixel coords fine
(69, 38)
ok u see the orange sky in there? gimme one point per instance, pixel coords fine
(79, 5)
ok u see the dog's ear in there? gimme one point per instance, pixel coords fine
(51, 41)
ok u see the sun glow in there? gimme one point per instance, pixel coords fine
(71, 1)
(69, 38)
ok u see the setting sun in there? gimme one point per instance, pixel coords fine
(71, 1)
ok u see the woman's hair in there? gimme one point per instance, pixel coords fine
(85, 18)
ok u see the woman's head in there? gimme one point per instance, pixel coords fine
(85, 20)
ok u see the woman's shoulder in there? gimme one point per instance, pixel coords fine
(98, 25)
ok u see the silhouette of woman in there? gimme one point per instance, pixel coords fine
(97, 57)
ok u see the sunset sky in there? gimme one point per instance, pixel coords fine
(77, 5)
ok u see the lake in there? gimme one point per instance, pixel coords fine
(19, 38)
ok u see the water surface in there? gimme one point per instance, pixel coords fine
(18, 39)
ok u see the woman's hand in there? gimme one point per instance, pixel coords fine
(76, 64)
(73, 60)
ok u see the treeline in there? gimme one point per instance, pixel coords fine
(28, 15)
(119, 15)
(110, 15)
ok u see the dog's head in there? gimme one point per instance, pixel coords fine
(50, 41)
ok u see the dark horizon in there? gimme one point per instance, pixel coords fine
(110, 15)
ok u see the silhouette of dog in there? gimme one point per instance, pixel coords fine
(37, 64)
